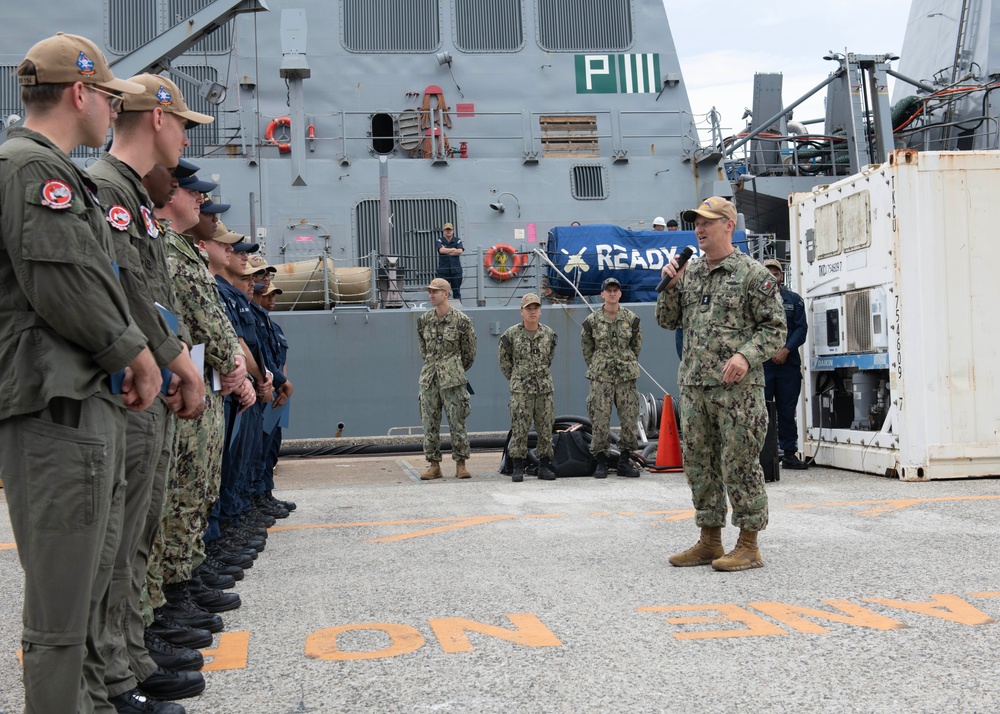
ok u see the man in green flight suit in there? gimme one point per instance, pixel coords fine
(149, 130)
(447, 345)
(71, 357)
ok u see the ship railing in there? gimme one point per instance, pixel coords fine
(434, 136)
(393, 283)
(940, 136)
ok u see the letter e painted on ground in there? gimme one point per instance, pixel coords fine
(946, 607)
(528, 631)
(756, 626)
(322, 644)
(794, 616)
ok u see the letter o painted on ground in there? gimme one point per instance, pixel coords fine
(322, 644)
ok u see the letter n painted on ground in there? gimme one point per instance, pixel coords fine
(528, 631)
(403, 640)
(946, 607)
(756, 626)
(850, 614)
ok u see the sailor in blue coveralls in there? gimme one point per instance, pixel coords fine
(783, 372)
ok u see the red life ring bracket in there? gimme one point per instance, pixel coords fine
(284, 147)
(502, 262)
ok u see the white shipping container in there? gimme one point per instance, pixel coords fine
(902, 368)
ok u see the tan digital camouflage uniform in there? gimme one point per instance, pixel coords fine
(448, 347)
(526, 361)
(733, 309)
(611, 350)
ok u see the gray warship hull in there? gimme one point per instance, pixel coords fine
(506, 119)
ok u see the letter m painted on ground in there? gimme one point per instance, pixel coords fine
(596, 74)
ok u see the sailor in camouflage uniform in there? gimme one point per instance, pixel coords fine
(611, 341)
(193, 484)
(733, 321)
(525, 354)
(447, 345)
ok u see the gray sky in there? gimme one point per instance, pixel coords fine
(723, 43)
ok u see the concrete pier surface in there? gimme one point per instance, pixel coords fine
(382, 593)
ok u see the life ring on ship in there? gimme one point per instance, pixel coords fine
(502, 262)
(283, 148)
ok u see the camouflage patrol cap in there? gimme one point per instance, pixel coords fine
(772, 263)
(64, 59)
(530, 299)
(439, 284)
(158, 91)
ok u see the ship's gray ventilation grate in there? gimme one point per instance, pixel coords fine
(219, 42)
(588, 183)
(130, 24)
(415, 226)
(584, 25)
(203, 137)
(488, 25)
(859, 321)
(391, 25)
(10, 93)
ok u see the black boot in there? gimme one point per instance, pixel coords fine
(601, 469)
(791, 461)
(164, 628)
(168, 656)
(545, 470)
(211, 600)
(135, 702)
(518, 475)
(166, 684)
(212, 579)
(625, 467)
(288, 505)
(182, 609)
(217, 566)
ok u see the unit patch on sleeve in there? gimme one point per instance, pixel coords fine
(119, 217)
(152, 227)
(57, 194)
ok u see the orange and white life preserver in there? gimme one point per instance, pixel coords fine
(283, 148)
(502, 262)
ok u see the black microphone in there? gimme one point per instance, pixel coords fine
(681, 260)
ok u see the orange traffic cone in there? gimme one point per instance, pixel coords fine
(668, 448)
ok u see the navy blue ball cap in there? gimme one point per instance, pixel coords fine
(184, 169)
(245, 247)
(193, 183)
(210, 206)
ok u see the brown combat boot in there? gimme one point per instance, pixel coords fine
(744, 556)
(461, 471)
(708, 548)
(433, 471)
